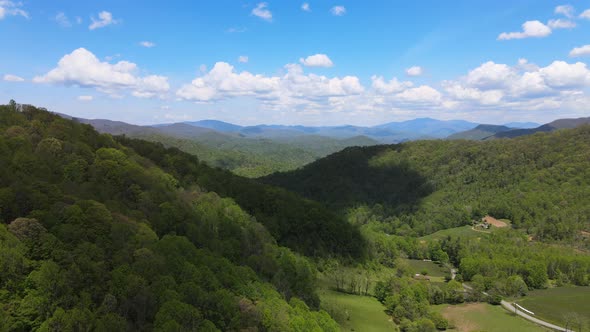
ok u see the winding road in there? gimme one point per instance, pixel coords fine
(508, 306)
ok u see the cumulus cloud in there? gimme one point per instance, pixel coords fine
(529, 29)
(13, 78)
(414, 71)
(490, 75)
(393, 86)
(316, 60)
(293, 89)
(338, 10)
(84, 69)
(524, 86)
(104, 19)
(585, 14)
(580, 51)
(261, 10)
(305, 7)
(9, 8)
(243, 59)
(423, 94)
(561, 24)
(565, 10)
(85, 98)
(561, 74)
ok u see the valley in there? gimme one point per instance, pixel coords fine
(427, 235)
(286, 166)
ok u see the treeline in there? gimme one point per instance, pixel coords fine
(94, 236)
(539, 182)
(506, 254)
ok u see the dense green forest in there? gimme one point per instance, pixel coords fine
(102, 232)
(245, 156)
(540, 182)
(97, 236)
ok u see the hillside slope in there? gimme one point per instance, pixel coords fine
(540, 182)
(252, 157)
(95, 235)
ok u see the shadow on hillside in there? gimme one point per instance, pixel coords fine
(351, 178)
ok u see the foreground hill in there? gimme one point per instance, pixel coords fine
(540, 182)
(252, 157)
(115, 235)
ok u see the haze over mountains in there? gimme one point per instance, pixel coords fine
(486, 132)
(255, 151)
(392, 132)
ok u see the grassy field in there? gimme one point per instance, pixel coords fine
(463, 231)
(437, 273)
(556, 304)
(484, 317)
(356, 313)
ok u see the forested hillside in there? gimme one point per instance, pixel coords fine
(245, 156)
(539, 182)
(97, 236)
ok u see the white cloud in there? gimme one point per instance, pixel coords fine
(524, 64)
(561, 74)
(294, 88)
(13, 78)
(525, 86)
(490, 75)
(414, 71)
(84, 69)
(147, 44)
(423, 94)
(462, 93)
(104, 19)
(338, 10)
(9, 8)
(85, 98)
(393, 86)
(561, 24)
(243, 59)
(62, 20)
(261, 10)
(317, 60)
(585, 14)
(565, 10)
(529, 29)
(490, 87)
(580, 51)
(223, 82)
(305, 7)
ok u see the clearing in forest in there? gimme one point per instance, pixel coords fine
(494, 222)
(484, 317)
(562, 305)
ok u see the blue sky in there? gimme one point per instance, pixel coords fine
(296, 62)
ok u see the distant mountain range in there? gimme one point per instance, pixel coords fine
(487, 132)
(393, 132)
(263, 149)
